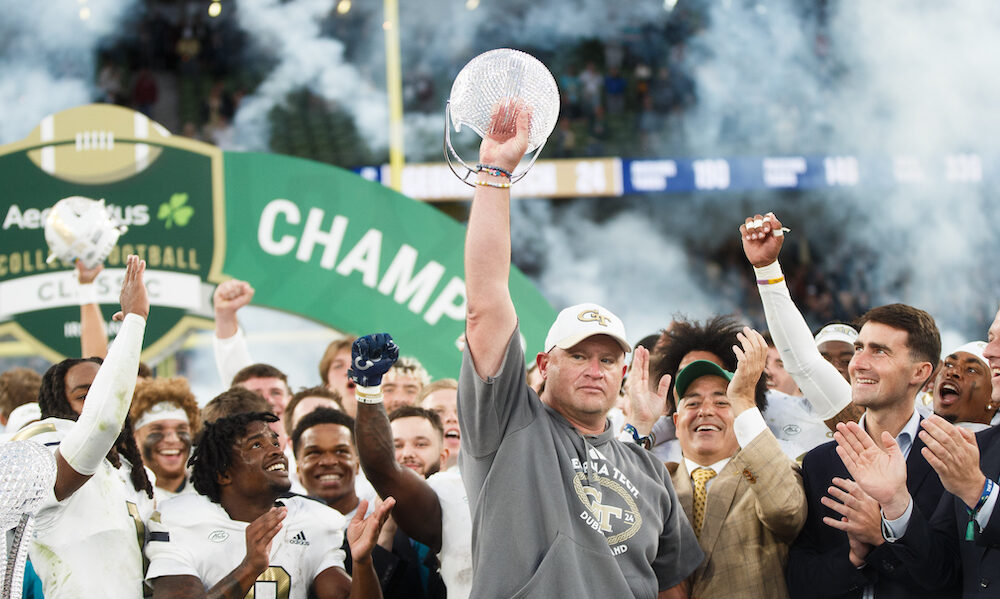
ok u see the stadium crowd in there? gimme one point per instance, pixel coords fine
(859, 461)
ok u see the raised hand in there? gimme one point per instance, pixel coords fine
(860, 517)
(133, 296)
(259, 536)
(762, 243)
(751, 356)
(506, 140)
(232, 295)
(954, 454)
(362, 533)
(84, 275)
(644, 405)
(879, 471)
(371, 357)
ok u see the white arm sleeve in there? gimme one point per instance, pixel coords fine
(231, 355)
(107, 402)
(819, 380)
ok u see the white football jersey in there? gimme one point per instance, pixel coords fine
(89, 544)
(193, 536)
(456, 532)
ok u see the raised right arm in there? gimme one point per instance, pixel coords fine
(229, 343)
(417, 511)
(93, 332)
(820, 381)
(107, 403)
(490, 318)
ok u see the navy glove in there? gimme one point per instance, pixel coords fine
(371, 357)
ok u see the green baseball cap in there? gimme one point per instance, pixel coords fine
(696, 370)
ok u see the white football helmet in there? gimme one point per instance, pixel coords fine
(79, 228)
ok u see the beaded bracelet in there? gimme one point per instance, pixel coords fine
(496, 171)
(770, 281)
(492, 184)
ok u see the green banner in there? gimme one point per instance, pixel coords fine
(312, 239)
(353, 254)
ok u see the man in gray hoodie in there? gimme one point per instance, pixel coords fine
(560, 507)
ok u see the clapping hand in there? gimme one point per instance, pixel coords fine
(860, 517)
(954, 454)
(879, 471)
(362, 533)
(259, 537)
(644, 405)
(751, 356)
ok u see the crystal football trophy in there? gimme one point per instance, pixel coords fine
(27, 473)
(80, 228)
(486, 83)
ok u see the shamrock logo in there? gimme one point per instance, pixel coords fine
(175, 211)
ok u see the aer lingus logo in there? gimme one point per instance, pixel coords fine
(169, 190)
(175, 211)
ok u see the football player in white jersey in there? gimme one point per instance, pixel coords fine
(89, 532)
(243, 533)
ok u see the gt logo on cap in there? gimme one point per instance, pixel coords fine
(593, 316)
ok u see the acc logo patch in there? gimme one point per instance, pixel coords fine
(218, 536)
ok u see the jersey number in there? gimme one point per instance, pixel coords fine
(273, 583)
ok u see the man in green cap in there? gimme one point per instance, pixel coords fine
(734, 477)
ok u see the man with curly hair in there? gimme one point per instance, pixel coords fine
(166, 417)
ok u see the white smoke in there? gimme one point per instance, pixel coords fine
(912, 82)
(437, 36)
(47, 57)
(305, 58)
(893, 79)
(623, 263)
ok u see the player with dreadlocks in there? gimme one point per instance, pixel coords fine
(243, 533)
(96, 496)
(54, 401)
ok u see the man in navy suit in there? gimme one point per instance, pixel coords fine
(959, 547)
(841, 551)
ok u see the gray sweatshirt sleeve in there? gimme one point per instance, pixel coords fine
(491, 409)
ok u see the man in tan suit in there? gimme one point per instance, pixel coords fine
(743, 496)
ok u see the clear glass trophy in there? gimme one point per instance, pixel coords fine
(490, 80)
(27, 473)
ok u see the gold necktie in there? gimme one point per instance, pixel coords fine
(701, 476)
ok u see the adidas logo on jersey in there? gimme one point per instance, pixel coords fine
(299, 539)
